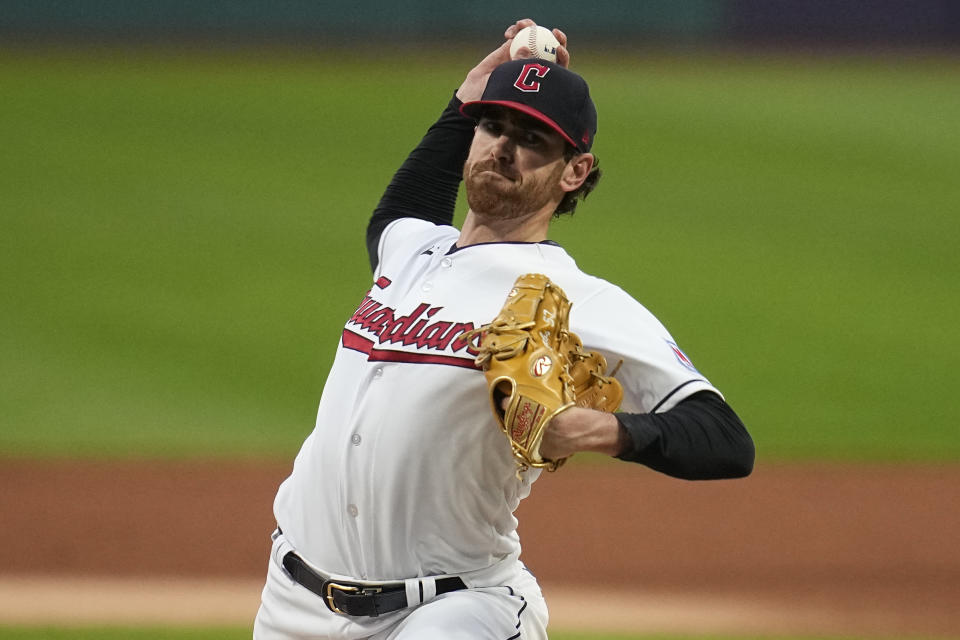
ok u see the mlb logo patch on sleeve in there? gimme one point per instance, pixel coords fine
(681, 356)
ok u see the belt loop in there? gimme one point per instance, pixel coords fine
(428, 588)
(280, 549)
(414, 591)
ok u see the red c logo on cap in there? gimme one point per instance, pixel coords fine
(527, 83)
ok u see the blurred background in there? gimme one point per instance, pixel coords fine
(184, 188)
(314, 23)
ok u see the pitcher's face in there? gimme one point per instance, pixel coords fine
(514, 166)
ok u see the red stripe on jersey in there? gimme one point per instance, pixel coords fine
(386, 355)
(356, 342)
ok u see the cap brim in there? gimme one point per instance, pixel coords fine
(474, 109)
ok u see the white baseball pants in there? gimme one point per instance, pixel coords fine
(514, 611)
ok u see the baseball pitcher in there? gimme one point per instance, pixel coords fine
(478, 359)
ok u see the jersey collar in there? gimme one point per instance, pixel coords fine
(455, 248)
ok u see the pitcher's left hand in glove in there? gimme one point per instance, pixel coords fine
(536, 367)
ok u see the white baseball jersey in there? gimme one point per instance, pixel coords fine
(407, 473)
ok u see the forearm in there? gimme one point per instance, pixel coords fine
(426, 184)
(701, 438)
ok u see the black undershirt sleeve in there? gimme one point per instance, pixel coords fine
(426, 184)
(701, 438)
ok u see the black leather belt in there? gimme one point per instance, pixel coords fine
(353, 599)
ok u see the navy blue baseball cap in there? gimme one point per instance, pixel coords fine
(543, 90)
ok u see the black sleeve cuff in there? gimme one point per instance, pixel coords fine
(701, 438)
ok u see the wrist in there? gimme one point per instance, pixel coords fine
(472, 87)
(609, 436)
(595, 431)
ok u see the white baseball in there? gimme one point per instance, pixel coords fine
(539, 40)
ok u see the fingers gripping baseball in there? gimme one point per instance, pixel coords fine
(476, 80)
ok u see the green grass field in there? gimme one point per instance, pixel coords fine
(183, 239)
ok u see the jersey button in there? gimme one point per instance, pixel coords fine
(352, 510)
(426, 286)
(446, 263)
(378, 373)
(355, 439)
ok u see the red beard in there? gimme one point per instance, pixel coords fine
(496, 192)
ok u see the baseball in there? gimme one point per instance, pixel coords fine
(539, 40)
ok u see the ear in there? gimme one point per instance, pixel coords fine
(576, 172)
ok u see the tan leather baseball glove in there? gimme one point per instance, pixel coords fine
(536, 367)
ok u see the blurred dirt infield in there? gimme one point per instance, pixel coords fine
(802, 549)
